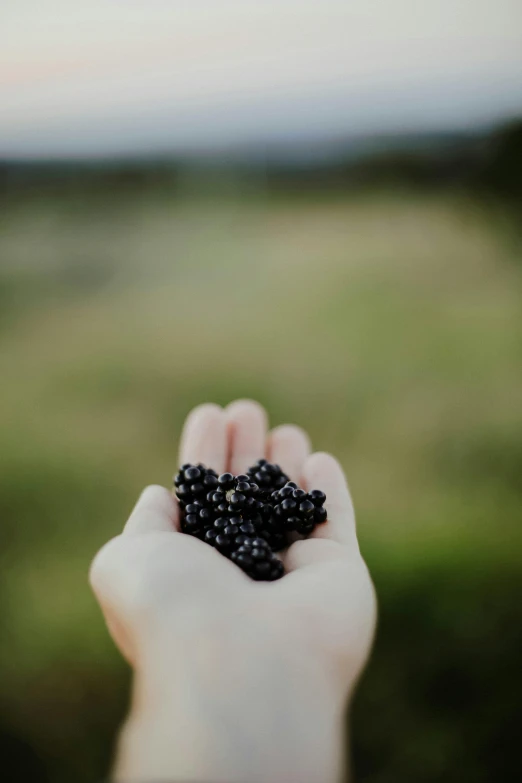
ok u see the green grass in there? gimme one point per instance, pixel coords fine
(389, 326)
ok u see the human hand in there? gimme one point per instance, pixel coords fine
(237, 680)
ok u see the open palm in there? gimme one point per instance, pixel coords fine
(155, 583)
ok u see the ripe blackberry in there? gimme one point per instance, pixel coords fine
(193, 483)
(272, 529)
(235, 495)
(196, 519)
(256, 559)
(227, 533)
(268, 477)
(296, 509)
(247, 517)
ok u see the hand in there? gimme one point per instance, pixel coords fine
(237, 680)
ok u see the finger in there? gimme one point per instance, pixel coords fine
(247, 427)
(322, 471)
(204, 437)
(156, 511)
(289, 446)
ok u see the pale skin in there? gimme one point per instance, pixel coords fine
(236, 680)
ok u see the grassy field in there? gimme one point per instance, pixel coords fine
(389, 325)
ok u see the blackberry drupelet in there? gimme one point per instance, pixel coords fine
(256, 559)
(298, 510)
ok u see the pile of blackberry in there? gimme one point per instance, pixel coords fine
(247, 517)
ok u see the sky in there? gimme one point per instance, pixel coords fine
(117, 77)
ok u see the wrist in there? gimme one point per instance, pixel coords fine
(232, 707)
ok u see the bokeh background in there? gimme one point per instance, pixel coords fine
(315, 205)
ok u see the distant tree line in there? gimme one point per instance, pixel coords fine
(490, 164)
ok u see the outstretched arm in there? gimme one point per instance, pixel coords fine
(236, 680)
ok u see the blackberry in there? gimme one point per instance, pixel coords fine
(227, 533)
(247, 517)
(272, 529)
(193, 483)
(296, 509)
(235, 495)
(268, 477)
(256, 559)
(196, 519)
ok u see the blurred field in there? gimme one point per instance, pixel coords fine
(388, 324)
